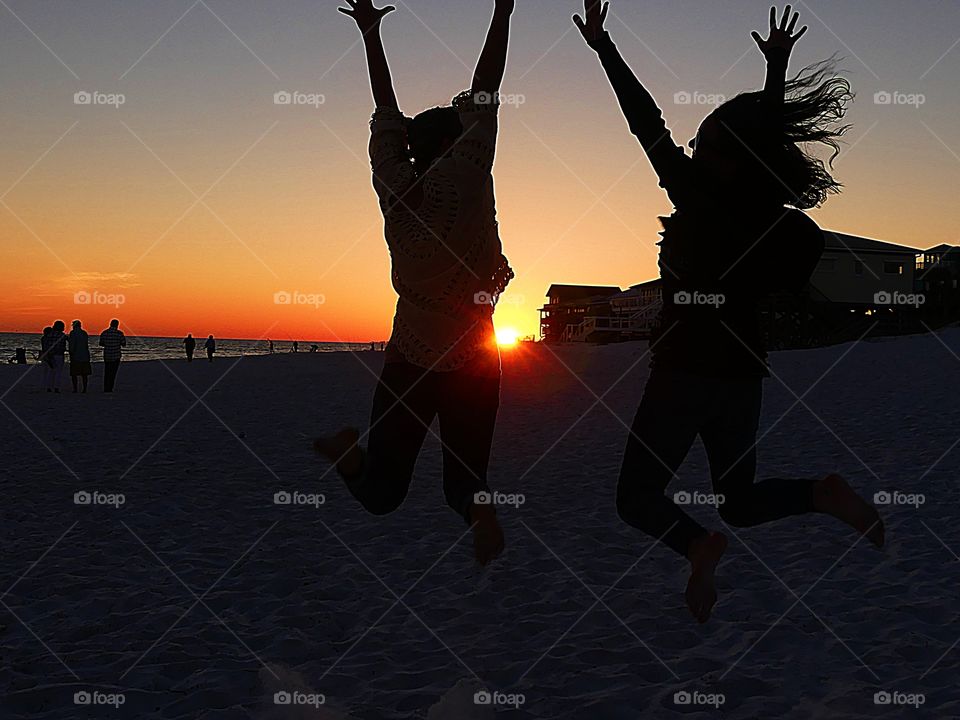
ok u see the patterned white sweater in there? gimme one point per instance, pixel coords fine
(448, 267)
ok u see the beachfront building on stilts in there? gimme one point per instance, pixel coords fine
(860, 287)
(568, 307)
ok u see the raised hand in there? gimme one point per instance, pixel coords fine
(365, 14)
(488, 75)
(782, 36)
(595, 13)
(368, 20)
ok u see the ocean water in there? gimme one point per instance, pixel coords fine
(165, 348)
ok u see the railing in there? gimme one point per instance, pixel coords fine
(637, 323)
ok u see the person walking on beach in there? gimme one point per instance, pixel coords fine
(432, 175)
(270, 344)
(296, 346)
(78, 345)
(211, 347)
(189, 345)
(112, 340)
(44, 357)
(737, 233)
(53, 345)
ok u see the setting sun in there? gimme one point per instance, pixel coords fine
(507, 336)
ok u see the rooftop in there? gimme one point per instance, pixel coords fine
(837, 241)
(944, 249)
(582, 291)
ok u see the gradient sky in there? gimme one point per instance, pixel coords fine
(199, 198)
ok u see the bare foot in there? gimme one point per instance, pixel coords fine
(342, 449)
(704, 554)
(487, 534)
(833, 496)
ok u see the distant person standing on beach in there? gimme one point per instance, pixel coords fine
(433, 177)
(78, 345)
(296, 346)
(53, 346)
(189, 345)
(211, 347)
(270, 342)
(58, 349)
(44, 356)
(112, 340)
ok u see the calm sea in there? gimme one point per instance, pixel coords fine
(163, 348)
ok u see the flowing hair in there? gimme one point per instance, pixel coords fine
(815, 103)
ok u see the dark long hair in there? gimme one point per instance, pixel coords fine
(815, 102)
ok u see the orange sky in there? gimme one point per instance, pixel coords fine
(285, 199)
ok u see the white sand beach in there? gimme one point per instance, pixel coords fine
(199, 597)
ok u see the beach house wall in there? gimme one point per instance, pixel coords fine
(569, 305)
(852, 270)
(937, 279)
(638, 297)
(637, 309)
(938, 267)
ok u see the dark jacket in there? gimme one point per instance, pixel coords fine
(79, 346)
(715, 273)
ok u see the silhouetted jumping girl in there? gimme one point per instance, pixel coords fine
(737, 234)
(432, 175)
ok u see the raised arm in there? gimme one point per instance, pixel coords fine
(368, 20)
(488, 76)
(393, 173)
(644, 117)
(776, 50)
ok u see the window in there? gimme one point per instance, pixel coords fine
(858, 267)
(893, 268)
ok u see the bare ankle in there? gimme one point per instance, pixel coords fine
(695, 547)
(825, 491)
(344, 450)
(351, 462)
(706, 549)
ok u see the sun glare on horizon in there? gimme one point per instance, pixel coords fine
(507, 337)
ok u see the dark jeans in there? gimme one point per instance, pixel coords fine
(110, 368)
(725, 413)
(406, 400)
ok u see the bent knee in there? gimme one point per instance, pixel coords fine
(383, 501)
